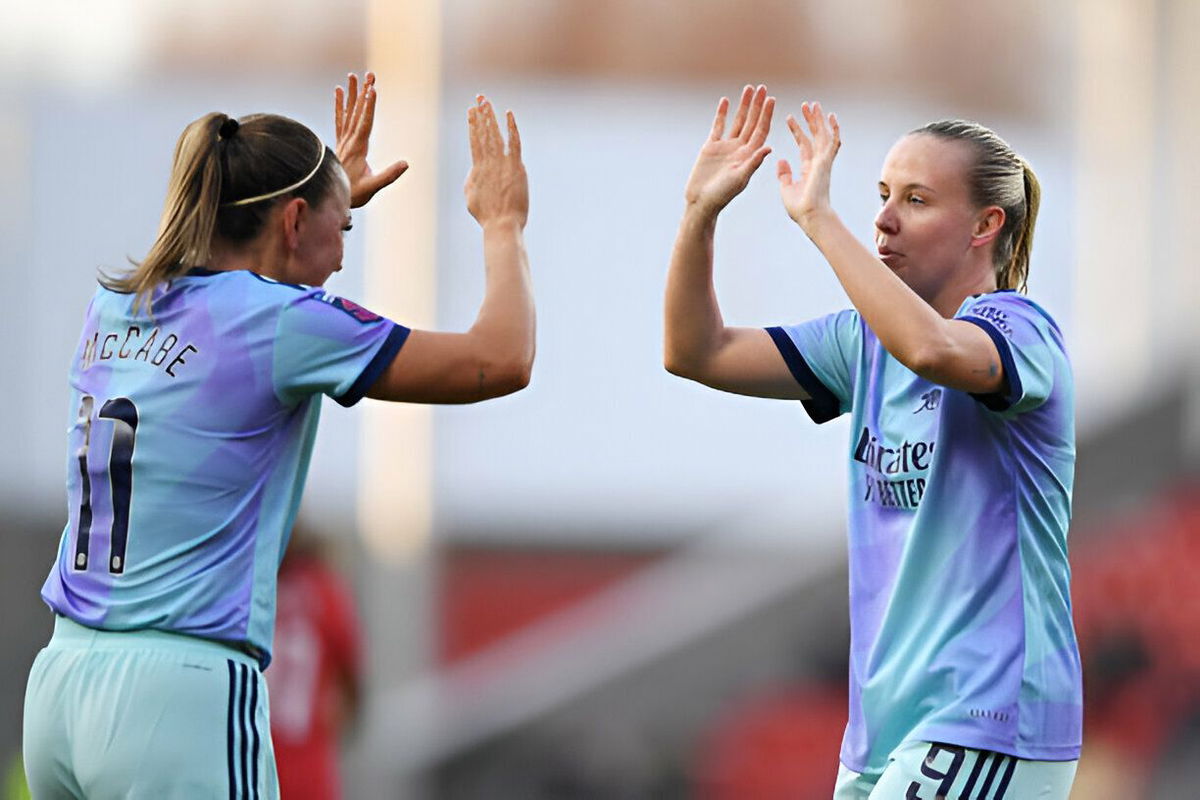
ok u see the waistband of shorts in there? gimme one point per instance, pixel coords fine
(70, 634)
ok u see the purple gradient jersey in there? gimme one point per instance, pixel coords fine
(190, 433)
(960, 611)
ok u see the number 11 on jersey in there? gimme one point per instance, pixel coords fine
(124, 417)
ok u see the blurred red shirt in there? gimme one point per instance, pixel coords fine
(314, 677)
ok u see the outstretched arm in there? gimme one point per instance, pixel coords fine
(697, 343)
(946, 351)
(495, 356)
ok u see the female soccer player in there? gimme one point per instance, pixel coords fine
(196, 389)
(964, 671)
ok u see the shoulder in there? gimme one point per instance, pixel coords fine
(289, 300)
(1004, 306)
(317, 298)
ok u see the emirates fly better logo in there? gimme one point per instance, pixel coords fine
(889, 480)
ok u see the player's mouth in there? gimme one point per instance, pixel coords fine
(888, 255)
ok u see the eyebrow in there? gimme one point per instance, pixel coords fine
(918, 186)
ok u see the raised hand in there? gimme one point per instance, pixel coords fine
(726, 163)
(353, 118)
(809, 195)
(497, 189)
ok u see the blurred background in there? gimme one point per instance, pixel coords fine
(617, 584)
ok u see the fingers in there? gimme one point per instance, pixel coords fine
(486, 140)
(763, 126)
(339, 99)
(756, 108)
(367, 121)
(718, 126)
(351, 99)
(493, 144)
(473, 132)
(812, 115)
(360, 101)
(826, 133)
(739, 119)
(514, 137)
(490, 140)
(798, 134)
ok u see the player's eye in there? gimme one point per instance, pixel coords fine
(916, 200)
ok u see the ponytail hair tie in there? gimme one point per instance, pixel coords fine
(228, 128)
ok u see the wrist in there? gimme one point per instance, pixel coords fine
(815, 222)
(700, 215)
(506, 224)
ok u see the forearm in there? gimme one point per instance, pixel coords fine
(693, 325)
(506, 322)
(908, 327)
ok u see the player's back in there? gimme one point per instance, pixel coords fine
(185, 462)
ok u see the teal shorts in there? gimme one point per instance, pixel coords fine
(145, 714)
(927, 771)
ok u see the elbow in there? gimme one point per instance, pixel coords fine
(519, 375)
(500, 378)
(920, 361)
(678, 365)
(927, 359)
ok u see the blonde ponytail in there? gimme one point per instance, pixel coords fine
(1015, 273)
(226, 177)
(189, 216)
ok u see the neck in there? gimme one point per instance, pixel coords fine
(976, 278)
(259, 255)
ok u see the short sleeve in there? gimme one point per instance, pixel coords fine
(326, 344)
(822, 355)
(1030, 346)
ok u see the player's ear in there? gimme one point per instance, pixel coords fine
(293, 216)
(988, 225)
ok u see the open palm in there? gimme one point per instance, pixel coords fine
(353, 119)
(726, 163)
(809, 194)
(497, 187)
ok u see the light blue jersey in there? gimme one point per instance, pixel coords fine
(189, 440)
(960, 611)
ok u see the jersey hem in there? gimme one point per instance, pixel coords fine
(1051, 753)
(997, 745)
(821, 405)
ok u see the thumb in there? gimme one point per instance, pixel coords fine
(784, 171)
(390, 174)
(387, 177)
(759, 156)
